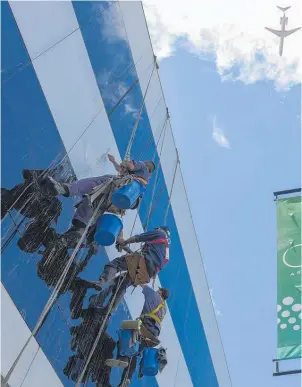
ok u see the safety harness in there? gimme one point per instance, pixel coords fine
(162, 240)
(153, 315)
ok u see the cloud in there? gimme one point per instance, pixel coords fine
(112, 89)
(111, 22)
(232, 34)
(129, 109)
(216, 309)
(219, 136)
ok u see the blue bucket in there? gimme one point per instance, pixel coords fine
(124, 343)
(108, 229)
(124, 198)
(150, 364)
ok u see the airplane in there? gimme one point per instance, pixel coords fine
(283, 33)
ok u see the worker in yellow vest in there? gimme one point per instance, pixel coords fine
(151, 318)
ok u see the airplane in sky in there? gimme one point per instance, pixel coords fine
(283, 33)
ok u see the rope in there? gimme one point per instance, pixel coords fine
(18, 198)
(112, 110)
(156, 199)
(61, 280)
(127, 373)
(64, 319)
(12, 235)
(128, 150)
(137, 212)
(172, 187)
(78, 139)
(79, 381)
(157, 174)
(121, 99)
(56, 290)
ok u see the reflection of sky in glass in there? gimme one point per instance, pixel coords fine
(30, 139)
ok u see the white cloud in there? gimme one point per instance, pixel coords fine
(129, 109)
(219, 136)
(231, 32)
(112, 89)
(216, 309)
(111, 22)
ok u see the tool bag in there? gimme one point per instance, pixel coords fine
(137, 269)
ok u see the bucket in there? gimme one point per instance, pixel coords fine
(150, 364)
(108, 229)
(124, 197)
(125, 343)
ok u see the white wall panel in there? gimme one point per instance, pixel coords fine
(138, 36)
(69, 84)
(14, 334)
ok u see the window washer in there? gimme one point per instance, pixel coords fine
(83, 339)
(33, 202)
(141, 170)
(139, 267)
(152, 315)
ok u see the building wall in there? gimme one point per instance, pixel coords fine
(85, 55)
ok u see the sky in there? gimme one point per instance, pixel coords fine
(235, 109)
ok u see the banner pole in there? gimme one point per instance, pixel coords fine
(286, 192)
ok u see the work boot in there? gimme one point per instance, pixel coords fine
(54, 188)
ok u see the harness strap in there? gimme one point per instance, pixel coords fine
(161, 240)
(152, 314)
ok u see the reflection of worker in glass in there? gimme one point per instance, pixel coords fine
(83, 338)
(141, 170)
(152, 315)
(34, 203)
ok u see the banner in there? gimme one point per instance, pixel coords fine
(289, 278)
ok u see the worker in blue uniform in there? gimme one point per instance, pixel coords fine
(140, 170)
(137, 268)
(151, 318)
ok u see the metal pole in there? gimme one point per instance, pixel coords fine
(293, 372)
(286, 192)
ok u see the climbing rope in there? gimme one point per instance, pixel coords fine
(153, 159)
(12, 235)
(97, 339)
(128, 150)
(172, 187)
(56, 290)
(127, 373)
(157, 173)
(45, 174)
(61, 280)
(78, 139)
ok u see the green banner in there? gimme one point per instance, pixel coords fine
(289, 278)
